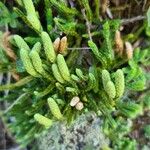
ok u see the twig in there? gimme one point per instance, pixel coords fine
(1, 78)
(7, 90)
(71, 3)
(87, 23)
(120, 8)
(79, 48)
(144, 5)
(109, 14)
(131, 20)
(138, 3)
(6, 28)
(16, 102)
(2, 135)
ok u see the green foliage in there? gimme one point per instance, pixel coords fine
(63, 67)
(48, 47)
(43, 120)
(57, 74)
(3, 58)
(105, 77)
(63, 9)
(36, 61)
(31, 14)
(54, 108)
(146, 100)
(148, 22)
(31, 17)
(117, 135)
(28, 4)
(97, 53)
(119, 83)
(147, 131)
(27, 63)
(85, 4)
(107, 41)
(20, 42)
(135, 78)
(127, 144)
(7, 17)
(91, 82)
(110, 89)
(49, 15)
(101, 78)
(67, 27)
(130, 109)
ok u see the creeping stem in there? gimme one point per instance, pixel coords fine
(17, 84)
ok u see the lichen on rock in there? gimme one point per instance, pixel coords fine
(84, 134)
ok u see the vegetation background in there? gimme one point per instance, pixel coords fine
(75, 74)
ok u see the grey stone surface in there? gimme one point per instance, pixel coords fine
(84, 134)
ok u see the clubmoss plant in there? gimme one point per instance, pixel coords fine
(66, 55)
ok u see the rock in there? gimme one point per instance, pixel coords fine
(84, 134)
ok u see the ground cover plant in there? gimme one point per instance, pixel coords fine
(64, 59)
